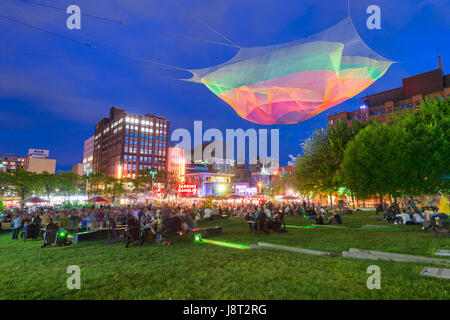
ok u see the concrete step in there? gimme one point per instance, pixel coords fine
(375, 255)
(298, 250)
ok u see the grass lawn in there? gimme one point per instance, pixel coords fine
(193, 270)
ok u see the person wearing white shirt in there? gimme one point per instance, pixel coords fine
(208, 213)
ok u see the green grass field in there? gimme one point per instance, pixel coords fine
(192, 270)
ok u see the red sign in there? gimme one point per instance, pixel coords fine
(187, 188)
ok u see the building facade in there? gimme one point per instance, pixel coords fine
(429, 85)
(40, 165)
(208, 183)
(88, 155)
(176, 163)
(11, 162)
(38, 161)
(78, 169)
(125, 143)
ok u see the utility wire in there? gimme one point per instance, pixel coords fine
(126, 54)
(204, 23)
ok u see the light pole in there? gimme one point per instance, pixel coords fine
(152, 173)
(87, 180)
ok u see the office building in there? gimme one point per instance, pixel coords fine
(125, 143)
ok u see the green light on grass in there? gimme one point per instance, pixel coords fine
(198, 238)
(227, 244)
(301, 227)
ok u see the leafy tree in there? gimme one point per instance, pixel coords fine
(95, 182)
(69, 183)
(48, 183)
(339, 136)
(426, 152)
(372, 161)
(316, 169)
(23, 184)
(5, 182)
(168, 179)
(283, 184)
(113, 188)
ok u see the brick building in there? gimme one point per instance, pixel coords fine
(429, 85)
(125, 143)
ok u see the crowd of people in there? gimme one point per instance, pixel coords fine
(160, 218)
(409, 213)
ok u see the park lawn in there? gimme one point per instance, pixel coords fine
(195, 270)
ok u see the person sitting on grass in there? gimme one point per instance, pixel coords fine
(335, 218)
(319, 219)
(402, 218)
(187, 223)
(389, 214)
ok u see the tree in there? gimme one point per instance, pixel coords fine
(316, 169)
(49, 183)
(372, 161)
(113, 188)
(5, 182)
(23, 184)
(426, 152)
(69, 183)
(168, 179)
(95, 181)
(283, 184)
(339, 136)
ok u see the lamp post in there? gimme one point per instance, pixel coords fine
(87, 180)
(152, 173)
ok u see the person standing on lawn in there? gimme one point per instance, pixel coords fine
(16, 225)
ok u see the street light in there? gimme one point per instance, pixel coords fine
(87, 180)
(152, 173)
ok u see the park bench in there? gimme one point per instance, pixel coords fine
(32, 232)
(116, 233)
(133, 232)
(50, 235)
(441, 227)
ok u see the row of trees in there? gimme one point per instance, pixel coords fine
(23, 184)
(407, 155)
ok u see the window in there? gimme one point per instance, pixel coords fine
(125, 149)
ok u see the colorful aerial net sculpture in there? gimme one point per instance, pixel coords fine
(292, 82)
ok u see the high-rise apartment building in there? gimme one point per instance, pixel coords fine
(125, 143)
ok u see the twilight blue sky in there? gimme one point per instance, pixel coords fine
(53, 91)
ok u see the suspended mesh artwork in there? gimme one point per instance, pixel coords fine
(292, 82)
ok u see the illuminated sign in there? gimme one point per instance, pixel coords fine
(187, 188)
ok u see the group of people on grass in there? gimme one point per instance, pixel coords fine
(437, 209)
(182, 217)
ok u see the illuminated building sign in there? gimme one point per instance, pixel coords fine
(187, 188)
